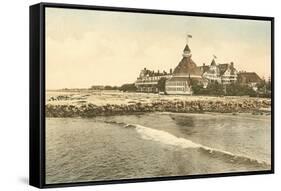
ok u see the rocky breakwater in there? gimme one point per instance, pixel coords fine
(225, 106)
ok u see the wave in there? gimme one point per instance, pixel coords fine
(164, 137)
(225, 115)
(169, 139)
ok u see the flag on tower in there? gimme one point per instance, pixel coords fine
(215, 57)
(189, 36)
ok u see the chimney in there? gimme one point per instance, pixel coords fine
(203, 64)
(231, 64)
(171, 70)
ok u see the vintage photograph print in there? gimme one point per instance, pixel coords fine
(135, 95)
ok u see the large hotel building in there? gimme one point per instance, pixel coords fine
(178, 81)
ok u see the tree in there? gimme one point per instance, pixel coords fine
(196, 87)
(212, 89)
(261, 85)
(215, 89)
(239, 90)
(268, 84)
(111, 88)
(161, 84)
(107, 87)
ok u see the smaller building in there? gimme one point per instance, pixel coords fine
(249, 78)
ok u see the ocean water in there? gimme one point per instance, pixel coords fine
(155, 145)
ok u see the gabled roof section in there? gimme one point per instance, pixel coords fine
(204, 68)
(222, 68)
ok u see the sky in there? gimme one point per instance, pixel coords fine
(88, 47)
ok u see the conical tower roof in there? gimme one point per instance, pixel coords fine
(186, 49)
(187, 67)
(213, 63)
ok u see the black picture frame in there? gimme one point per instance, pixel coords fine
(37, 93)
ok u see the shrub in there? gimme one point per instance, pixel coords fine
(239, 90)
(211, 89)
(128, 88)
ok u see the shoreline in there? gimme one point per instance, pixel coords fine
(87, 110)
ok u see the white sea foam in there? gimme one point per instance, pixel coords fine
(164, 137)
(169, 139)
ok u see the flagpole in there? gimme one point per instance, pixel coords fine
(187, 38)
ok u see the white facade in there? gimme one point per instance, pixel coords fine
(229, 76)
(216, 73)
(178, 87)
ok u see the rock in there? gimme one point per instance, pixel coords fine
(84, 109)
